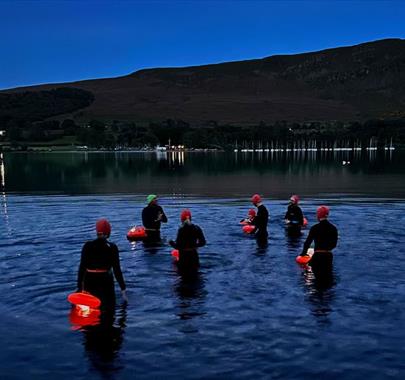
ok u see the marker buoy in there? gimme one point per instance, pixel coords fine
(81, 316)
(303, 260)
(136, 233)
(84, 299)
(248, 229)
(175, 254)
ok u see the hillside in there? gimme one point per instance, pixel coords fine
(350, 83)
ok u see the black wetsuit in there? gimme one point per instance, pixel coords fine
(189, 238)
(260, 222)
(151, 222)
(99, 259)
(294, 215)
(325, 235)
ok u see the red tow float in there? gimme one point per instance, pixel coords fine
(175, 254)
(248, 229)
(304, 260)
(136, 234)
(84, 299)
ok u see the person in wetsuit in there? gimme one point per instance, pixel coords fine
(249, 218)
(189, 238)
(152, 217)
(99, 259)
(294, 218)
(325, 236)
(261, 220)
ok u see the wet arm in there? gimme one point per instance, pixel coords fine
(163, 218)
(144, 221)
(200, 238)
(335, 239)
(174, 243)
(82, 269)
(300, 217)
(308, 242)
(117, 270)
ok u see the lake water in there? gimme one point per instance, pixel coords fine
(275, 175)
(251, 313)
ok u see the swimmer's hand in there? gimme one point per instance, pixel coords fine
(124, 296)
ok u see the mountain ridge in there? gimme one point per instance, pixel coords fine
(357, 82)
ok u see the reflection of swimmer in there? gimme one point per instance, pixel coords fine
(103, 342)
(99, 259)
(152, 217)
(189, 238)
(260, 221)
(325, 236)
(321, 293)
(191, 293)
(294, 218)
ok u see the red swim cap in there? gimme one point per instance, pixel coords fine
(322, 212)
(295, 199)
(252, 212)
(103, 227)
(185, 214)
(256, 198)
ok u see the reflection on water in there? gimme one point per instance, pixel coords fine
(278, 174)
(191, 293)
(246, 315)
(3, 194)
(320, 285)
(102, 342)
(174, 158)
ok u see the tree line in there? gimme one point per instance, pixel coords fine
(122, 134)
(26, 118)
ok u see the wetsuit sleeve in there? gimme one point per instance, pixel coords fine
(144, 218)
(308, 242)
(82, 268)
(300, 216)
(164, 217)
(200, 238)
(117, 268)
(175, 244)
(335, 238)
(287, 214)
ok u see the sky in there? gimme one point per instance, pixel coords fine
(57, 41)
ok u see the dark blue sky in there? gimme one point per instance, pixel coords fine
(60, 41)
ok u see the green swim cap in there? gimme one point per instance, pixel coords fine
(151, 197)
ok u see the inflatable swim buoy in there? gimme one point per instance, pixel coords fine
(136, 233)
(303, 260)
(81, 316)
(84, 299)
(175, 254)
(305, 222)
(248, 229)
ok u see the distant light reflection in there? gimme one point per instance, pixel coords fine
(3, 193)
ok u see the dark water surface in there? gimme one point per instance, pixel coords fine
(251, 313)
(226, 175)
